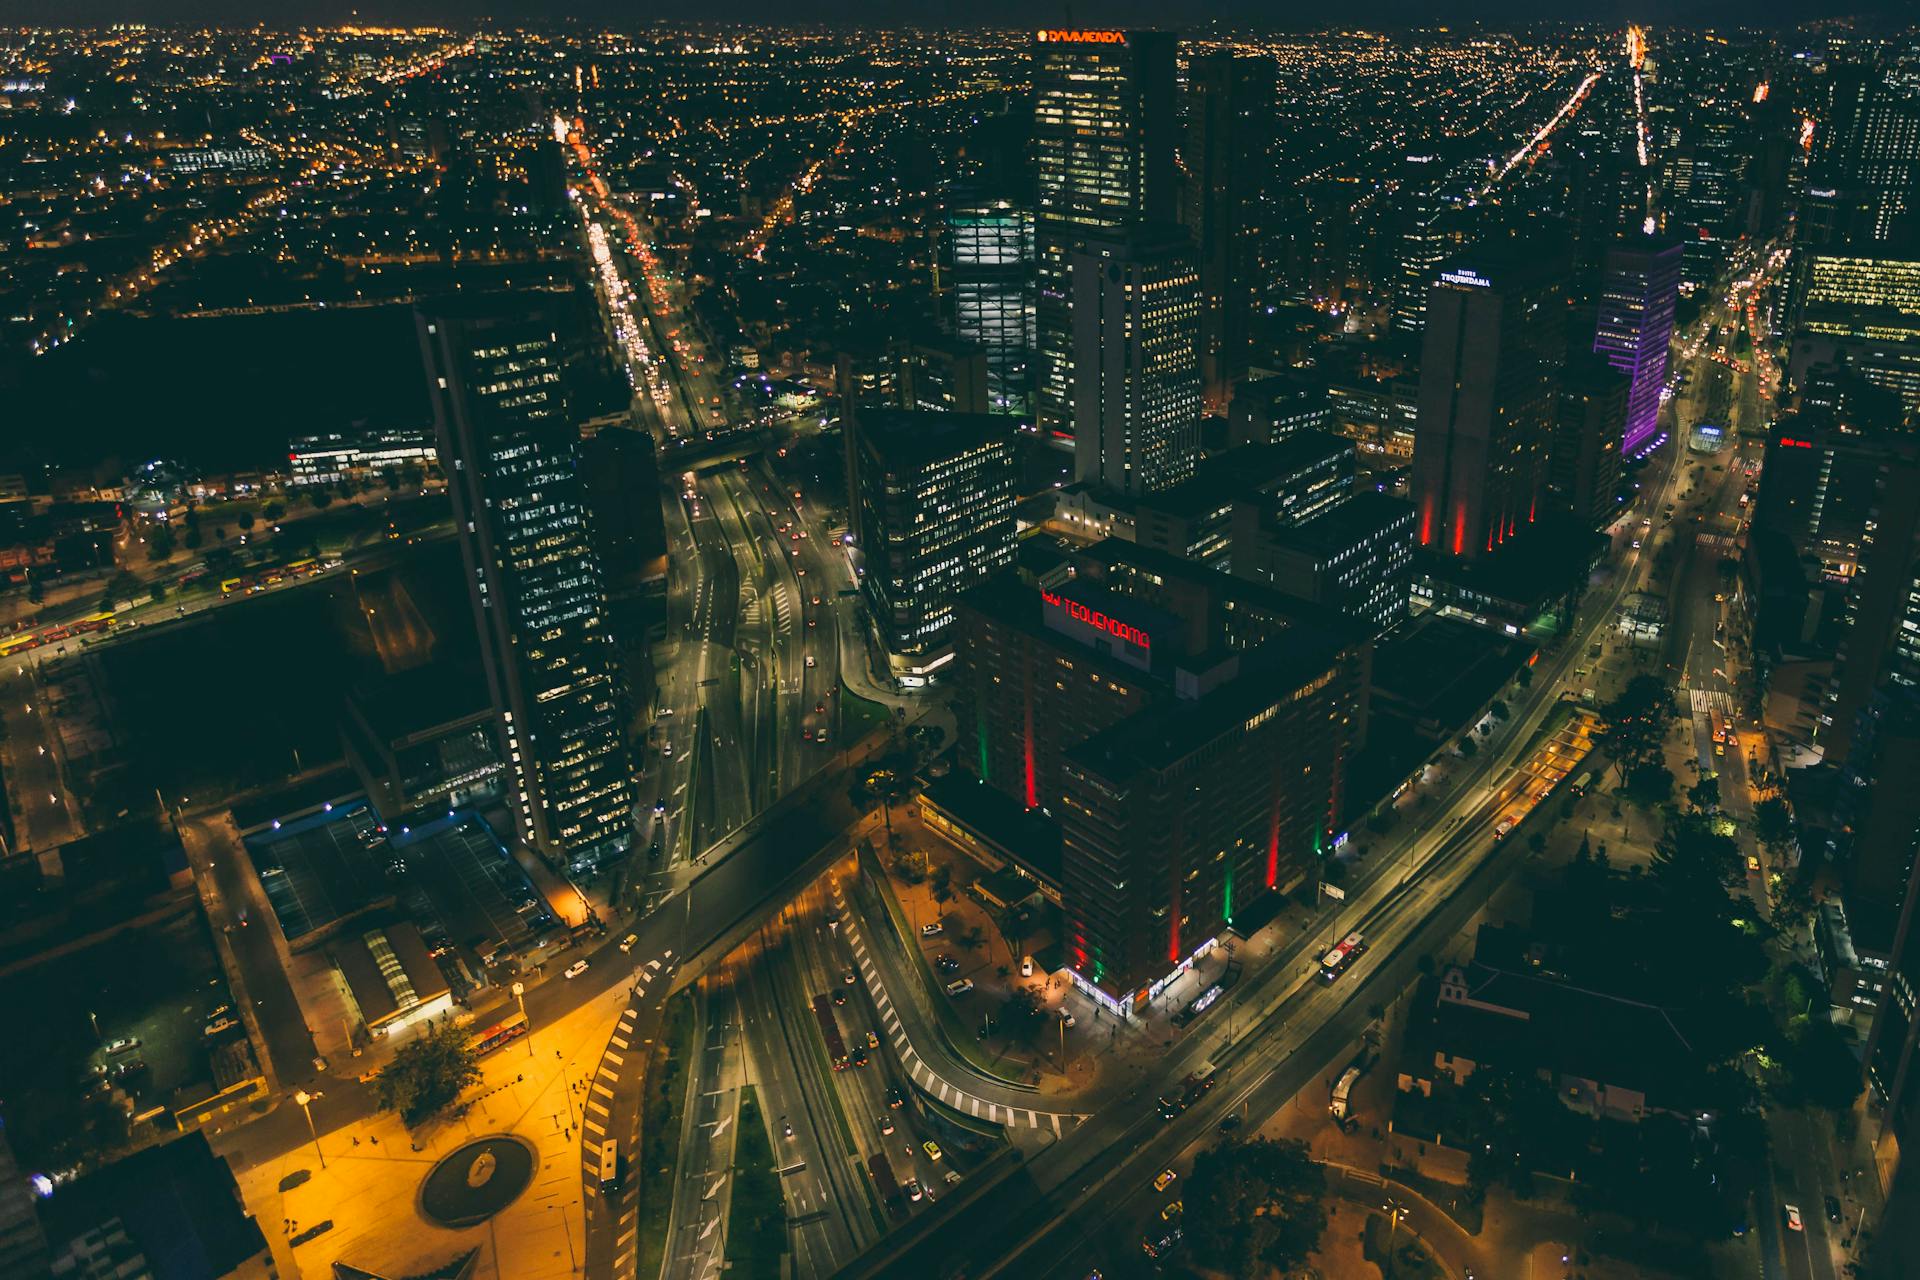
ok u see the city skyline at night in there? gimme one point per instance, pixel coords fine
(1075, 644)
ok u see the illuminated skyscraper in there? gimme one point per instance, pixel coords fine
(496, 378)
(1640, 280)
(989, 263)
(1488, 377)
(1103, 130)
(1867, 157)
(1136, 365)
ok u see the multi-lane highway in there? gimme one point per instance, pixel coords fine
(1057, 1212)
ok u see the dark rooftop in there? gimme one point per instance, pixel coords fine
(178, 1202)
(911, 438)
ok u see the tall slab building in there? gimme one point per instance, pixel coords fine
(1640, 281)
(1103, 144)
(1488, 382)
(1136, 360)
(495, 373)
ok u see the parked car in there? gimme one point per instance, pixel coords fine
(1165, 1180)
(577, 968)
(933, 930)
(960, 988)
(1792, 1214)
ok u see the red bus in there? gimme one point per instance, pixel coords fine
(883, 1182)
(499, 1035)
(830, 1032)
(1335, 962)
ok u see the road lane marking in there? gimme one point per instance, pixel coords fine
(611, 1075)
(593, 1127)
(945, 1088)
(602, 1090)
(615, 1059)
(617, 1042)
(993, 1111)
(597, 1109)
(1055, 1117)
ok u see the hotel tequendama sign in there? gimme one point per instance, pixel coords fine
(1053, 36)
(1096, 619)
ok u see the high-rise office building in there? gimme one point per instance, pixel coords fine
(1190, 732)
(932, 515)
(1584, 470)
(1230, 124)
(1867, 157)
(1269, 409)
(1858, 310)
(1423, 232)
(1355, 557)
(1640, 282)
(496, 376)
(1103, 149)
(1488, 374)
(989, 265)
(1136, 367)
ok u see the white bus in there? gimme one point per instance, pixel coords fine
(1335, 961)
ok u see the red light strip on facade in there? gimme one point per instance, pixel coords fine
(1097, 620)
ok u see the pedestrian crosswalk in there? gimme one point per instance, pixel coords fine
(922, 1073)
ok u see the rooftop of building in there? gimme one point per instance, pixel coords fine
(1172, 731)
(911, 438)
(1349, 523)
(1018, 833)
(1441, 671)
(1249, 469)
(421, 700)
(378, 986)
(177, 1201)
(1497, 1017)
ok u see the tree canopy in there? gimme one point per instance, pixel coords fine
(428, 1073)
(1255, 1204)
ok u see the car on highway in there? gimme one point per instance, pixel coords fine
(1833, 1209)
(1753, 862)
(1172, 1211)
(1164, 1245)
(859, 1055)
(577, 968)
(626, 943)
(932, 1149)
(886, 1126)
(896, 1097)
(873, 1040)
(1165, 1180)
(839, 997)
(913, 1189)
(659, 805)
(849, 977)
(933, 930)
(960, 988)
(810, 661)
(786, 1127)
(1791, 1212)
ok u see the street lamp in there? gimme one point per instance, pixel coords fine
(520, 995)
(306, 1101)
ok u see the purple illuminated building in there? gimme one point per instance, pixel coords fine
(1639, 282)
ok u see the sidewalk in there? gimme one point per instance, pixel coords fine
(532, 1089)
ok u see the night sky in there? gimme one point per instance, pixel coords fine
(937, 13)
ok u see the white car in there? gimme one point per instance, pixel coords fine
(960, 988)
(577, 968)
(933, 930)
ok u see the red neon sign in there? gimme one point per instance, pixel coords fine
(1097, 620)
(1790, 443)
